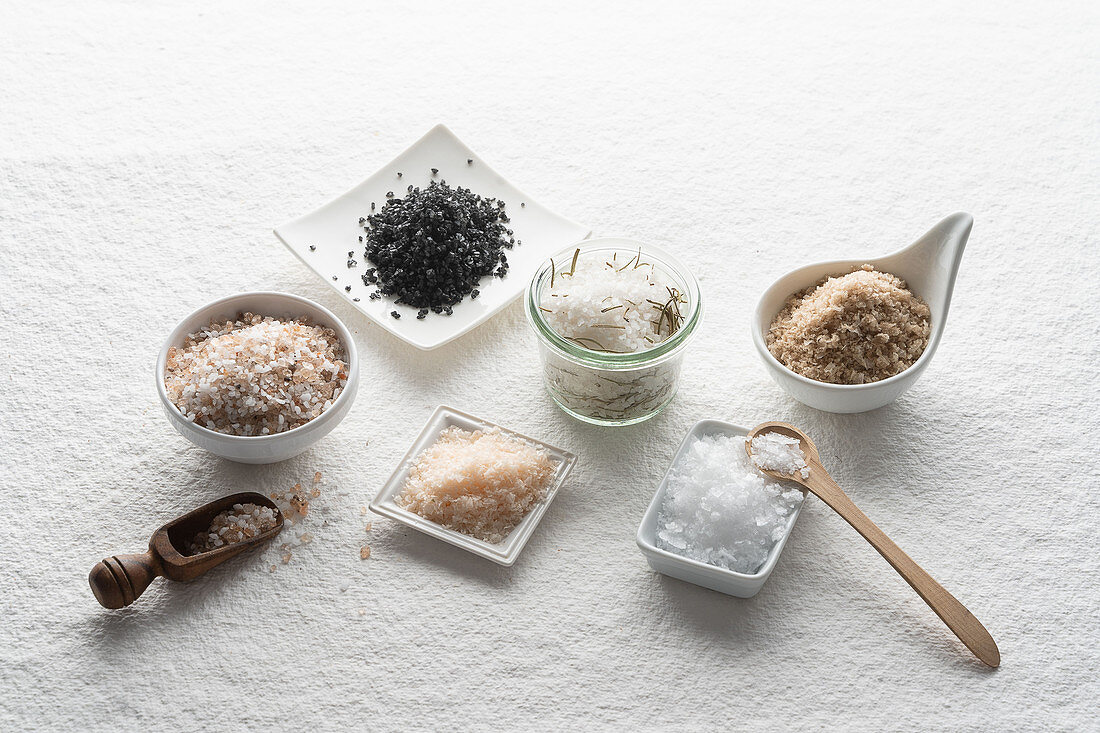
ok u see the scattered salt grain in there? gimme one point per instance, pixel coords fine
(777, 452)
(364, 552)
(720, 510)
(242, 522)
(294, 504)
(481, 483)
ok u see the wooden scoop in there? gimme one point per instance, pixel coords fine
(118, 580)
(946, 606)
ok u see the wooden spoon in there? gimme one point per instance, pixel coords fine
(969, 630)
(117, 581)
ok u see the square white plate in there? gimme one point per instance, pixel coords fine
(334, 230)
(677, 566)
(503, 553)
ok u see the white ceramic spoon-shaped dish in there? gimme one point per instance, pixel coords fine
(929, 265)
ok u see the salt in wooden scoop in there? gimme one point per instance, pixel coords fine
(118, 580)
(969, 630)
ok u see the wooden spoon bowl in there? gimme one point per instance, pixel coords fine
(953, 613)
(119, 580)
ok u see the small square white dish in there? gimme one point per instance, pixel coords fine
(693, 571)
(334, 230)
(502, 553)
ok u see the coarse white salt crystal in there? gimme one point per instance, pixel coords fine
(718, 509)
(777, 452)
(617, 305)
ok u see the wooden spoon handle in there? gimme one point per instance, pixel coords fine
(117, 581)
(963, 623)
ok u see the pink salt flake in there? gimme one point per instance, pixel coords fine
(481, 483)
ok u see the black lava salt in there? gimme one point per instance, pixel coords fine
(430, 248)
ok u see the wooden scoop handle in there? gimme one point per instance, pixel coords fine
(963, 623)
(117, 581)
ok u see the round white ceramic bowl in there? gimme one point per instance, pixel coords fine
(260, 448)
(929, 266)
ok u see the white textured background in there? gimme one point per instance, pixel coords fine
(147, 150)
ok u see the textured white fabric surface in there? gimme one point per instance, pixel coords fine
(146, 150)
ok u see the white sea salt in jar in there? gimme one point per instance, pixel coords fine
(613, 317)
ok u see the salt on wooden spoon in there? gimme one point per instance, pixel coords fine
(817, 480)
(117, 581)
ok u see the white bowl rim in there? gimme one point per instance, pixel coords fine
(341, 330)
(758, 337)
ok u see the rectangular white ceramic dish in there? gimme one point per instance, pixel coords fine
(693, 571)
(334, 230)
(503, 553)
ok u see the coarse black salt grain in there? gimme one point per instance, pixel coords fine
(347, 288)
(422, 314)
(395, 314)
(430, 249)
(435, 171)
(352, 263)
(313, 248)
(469, 161)
(335, 278)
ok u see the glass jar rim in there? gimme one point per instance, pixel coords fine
(608, 360)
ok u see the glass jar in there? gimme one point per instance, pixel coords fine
(607, 388)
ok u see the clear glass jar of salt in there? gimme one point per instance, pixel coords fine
(613, 317)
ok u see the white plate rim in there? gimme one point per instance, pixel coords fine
(439, 129)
